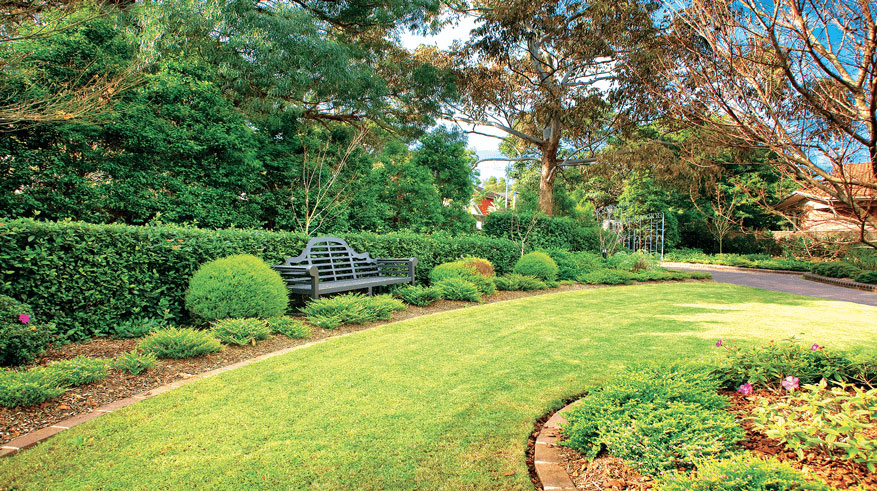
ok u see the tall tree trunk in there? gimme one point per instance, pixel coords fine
(549, 167)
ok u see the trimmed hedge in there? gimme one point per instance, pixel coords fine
(548, 232)
(88, 278)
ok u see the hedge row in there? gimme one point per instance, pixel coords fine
(546, 233)
(86, 278)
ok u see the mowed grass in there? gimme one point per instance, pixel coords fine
(439, 402)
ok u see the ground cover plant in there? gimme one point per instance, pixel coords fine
(137, 328)
(26, 388)
(354, 308)
(76, 371)
(519, 282)
(417, 294)
(468, 382)
(458, 289)
(476, 271)
(740, 473)
(760, 261)
(236, 286)
(241, 331)
(289, 327)
(134, 362)
(173, 342)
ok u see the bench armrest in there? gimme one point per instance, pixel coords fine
(297, 270)
(410, 262)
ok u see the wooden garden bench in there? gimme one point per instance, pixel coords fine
(329, 265)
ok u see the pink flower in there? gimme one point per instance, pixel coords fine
(790, 383)
(719, 343)
(816, 347)
(24, 318)
(745, 389)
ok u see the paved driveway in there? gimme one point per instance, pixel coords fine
(788, 283)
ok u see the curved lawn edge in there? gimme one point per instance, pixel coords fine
(722, 267)
(439, 402)
(854, 285)
(547, 464)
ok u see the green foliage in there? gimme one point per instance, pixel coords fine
(607, 277)
(466, 269)
(351, 308)
(241, 331)
(571, 264)
(26, 388)
(862, 258)
(457, 289)
(740, 473)
(236, 286)
(837, 422)
(21, 338)
(837, 269)
(417, 294)
(759, 261)
(289, 327)
(134, 362)
(537, 264)
(637, 261)
(88, 278)
(175, 342)
(519, 282)
(137, 328)
(766, 365)
(656, 417)
(546, 233)
(867, 277)
(76, 371)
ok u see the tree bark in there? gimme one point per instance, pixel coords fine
(549, 167)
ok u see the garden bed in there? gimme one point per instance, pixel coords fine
(15, 422)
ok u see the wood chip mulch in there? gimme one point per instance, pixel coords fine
(609, 473)
(18, 421)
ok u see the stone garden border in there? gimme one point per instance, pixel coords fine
(546, 455)
(842, 283)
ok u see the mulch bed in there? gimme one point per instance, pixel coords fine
(609, 473)
(119, 385)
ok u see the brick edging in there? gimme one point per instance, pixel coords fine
(546, 456)
(721, 267)
(30, 439)
(842, 283)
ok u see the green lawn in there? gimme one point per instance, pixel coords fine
(438, 402)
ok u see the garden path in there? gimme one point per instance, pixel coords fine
(787, 283)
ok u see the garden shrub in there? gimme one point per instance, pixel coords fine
(607, 277)
(740, 473)
(236, 286)
(519, 282)
(836, 269)
(417, 294)
(761, 261)
(76, 371)
(172, 342)
(241, 331)
(134, 362)
(766, 365)
(572, 264)
(458, 289)
(637, 261)
(26, 388)
(537, 264)
(86, 278)
(21, 337)
(867, 277)
(659, 396)
(352, 308)
(837, 422)
(137, 328)
(481, 265)
(463, 270)
(289, 327)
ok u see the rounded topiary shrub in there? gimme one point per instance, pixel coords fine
(537, 264)
(236, 287)
(470, 270)
(21, 337)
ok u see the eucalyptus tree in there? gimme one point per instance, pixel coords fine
(545, 74)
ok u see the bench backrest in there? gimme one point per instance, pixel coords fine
(335, 260)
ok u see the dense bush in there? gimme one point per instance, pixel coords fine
(241, 331)
(21, 337)
(289, 327)
(352, 308)
(87, 278)
(547, 232)
(519, 282)
(458, 289)
(174, 342)
(537, 264)
(657, 417)
(866, 277)
(837, 269)
(572, 264)
(607, 277)
(137, 328)
(417, 294)
(483, 266)
(637, 261)
(134, 362)
(740, 473)
(237, 286)
(26, 388)
(76, 371)
(464, 270)
(766, 365)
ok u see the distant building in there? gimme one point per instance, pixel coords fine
(814, 211)
(489, 203)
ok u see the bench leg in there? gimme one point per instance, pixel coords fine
(370, 292)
